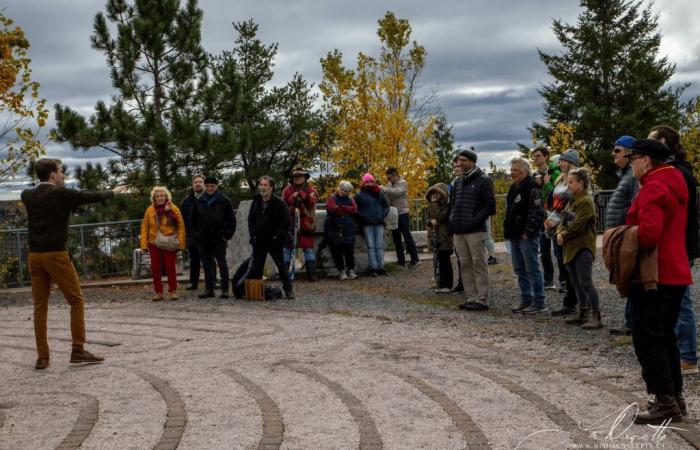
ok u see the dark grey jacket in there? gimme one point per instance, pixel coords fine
(471, 203)
(622, 198)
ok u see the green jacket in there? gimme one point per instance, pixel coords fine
(578, 226)
(549, 186)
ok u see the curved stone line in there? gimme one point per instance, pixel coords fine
(473, 435)
(272, 422)
(556, 415)
(176, 413)
(687, 431)
(369, 435)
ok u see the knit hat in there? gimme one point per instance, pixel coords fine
(653, 148)
(299, 172)
(571, 156)
(367, 178)
(345, 186)
(211, 180)
(468, 153)
(625, 141)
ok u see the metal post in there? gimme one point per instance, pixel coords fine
(82, 249)
(19, 260)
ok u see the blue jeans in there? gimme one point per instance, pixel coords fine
(374, 235)
(524, 255)
(686, 330)
(309, 256)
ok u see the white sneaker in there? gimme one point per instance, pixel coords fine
(352, 275)
(343, 276)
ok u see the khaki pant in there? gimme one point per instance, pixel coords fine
(55, 267)
(471, 252)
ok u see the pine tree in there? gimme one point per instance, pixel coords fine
(609, 80)
(444, 151)
(158, 69)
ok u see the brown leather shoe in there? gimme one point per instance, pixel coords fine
(663, 409)
(85, 357)
(172, 295)
(157, 298)
(42, 363)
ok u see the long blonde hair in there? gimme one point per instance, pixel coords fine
(168, 195)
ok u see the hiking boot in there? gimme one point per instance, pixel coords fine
(289, 294)
(41, 364)
(594, 322)
(382, 272)
(688, 368)
(624, 331)
(580, 318)
(311, 271)
(491, 261)
(681, 404)
(564, 311)
(191, 288)
(172, 296)
(414, 263)
(662, 410)
(223, 295)
(157, 298)
(372, 273)
(532, 309)
(352, 275)
(520, 307)
(85, 357)
(343, 276)
(206, 294)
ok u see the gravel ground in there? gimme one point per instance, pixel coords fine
(370, 363)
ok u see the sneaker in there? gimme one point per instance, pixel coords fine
(414, 263)
(41, 364)
(520, 307)
(443, 291)
(491, 261)
(382, 272)
(550, 287)
(172, 296)
(206, 294)
(352, 275)
(372, 273)
(343, 276)
(688, 368)
(157, 298)
(85, 357)
(532, 309)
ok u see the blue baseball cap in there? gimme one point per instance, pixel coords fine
(625, 141)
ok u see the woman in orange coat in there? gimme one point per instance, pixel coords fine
(162, 215)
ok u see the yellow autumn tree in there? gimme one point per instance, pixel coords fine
(374, 110)
(690, 135)
(22, 112)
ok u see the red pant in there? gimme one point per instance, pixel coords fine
(160, 258)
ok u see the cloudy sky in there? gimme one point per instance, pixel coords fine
(482, 56)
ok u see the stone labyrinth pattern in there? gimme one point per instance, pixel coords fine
(253, 378)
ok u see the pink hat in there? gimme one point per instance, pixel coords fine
(367, 178)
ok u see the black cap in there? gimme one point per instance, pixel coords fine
(211, 180)
(653, 148)
(467, 153)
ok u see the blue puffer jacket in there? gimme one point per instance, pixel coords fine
(372, 206)
(340, 221)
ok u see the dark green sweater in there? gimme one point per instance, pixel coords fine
(48, 210)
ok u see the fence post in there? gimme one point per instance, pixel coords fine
(19, 260)
(82, 248)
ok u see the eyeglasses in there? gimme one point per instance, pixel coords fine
(633, 157)
(617, 150)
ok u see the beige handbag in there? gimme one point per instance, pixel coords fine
(166, 242)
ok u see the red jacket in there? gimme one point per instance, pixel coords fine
(660, 210)
(305, 202)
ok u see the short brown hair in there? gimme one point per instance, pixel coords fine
(542, 149)
(45, 167)
(392, 171)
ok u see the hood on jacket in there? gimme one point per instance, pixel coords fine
(439, 188)
(669, 176)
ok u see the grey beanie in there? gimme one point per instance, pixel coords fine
(345, 186)
(467, 153)
(571, 156)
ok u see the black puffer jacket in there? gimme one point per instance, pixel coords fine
(187, 209)
(621, 199)
(691, 228)
(524, 211)
(269, 225)
(471, 202)
(213, 221)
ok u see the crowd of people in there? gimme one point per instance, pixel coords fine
(650, 243)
